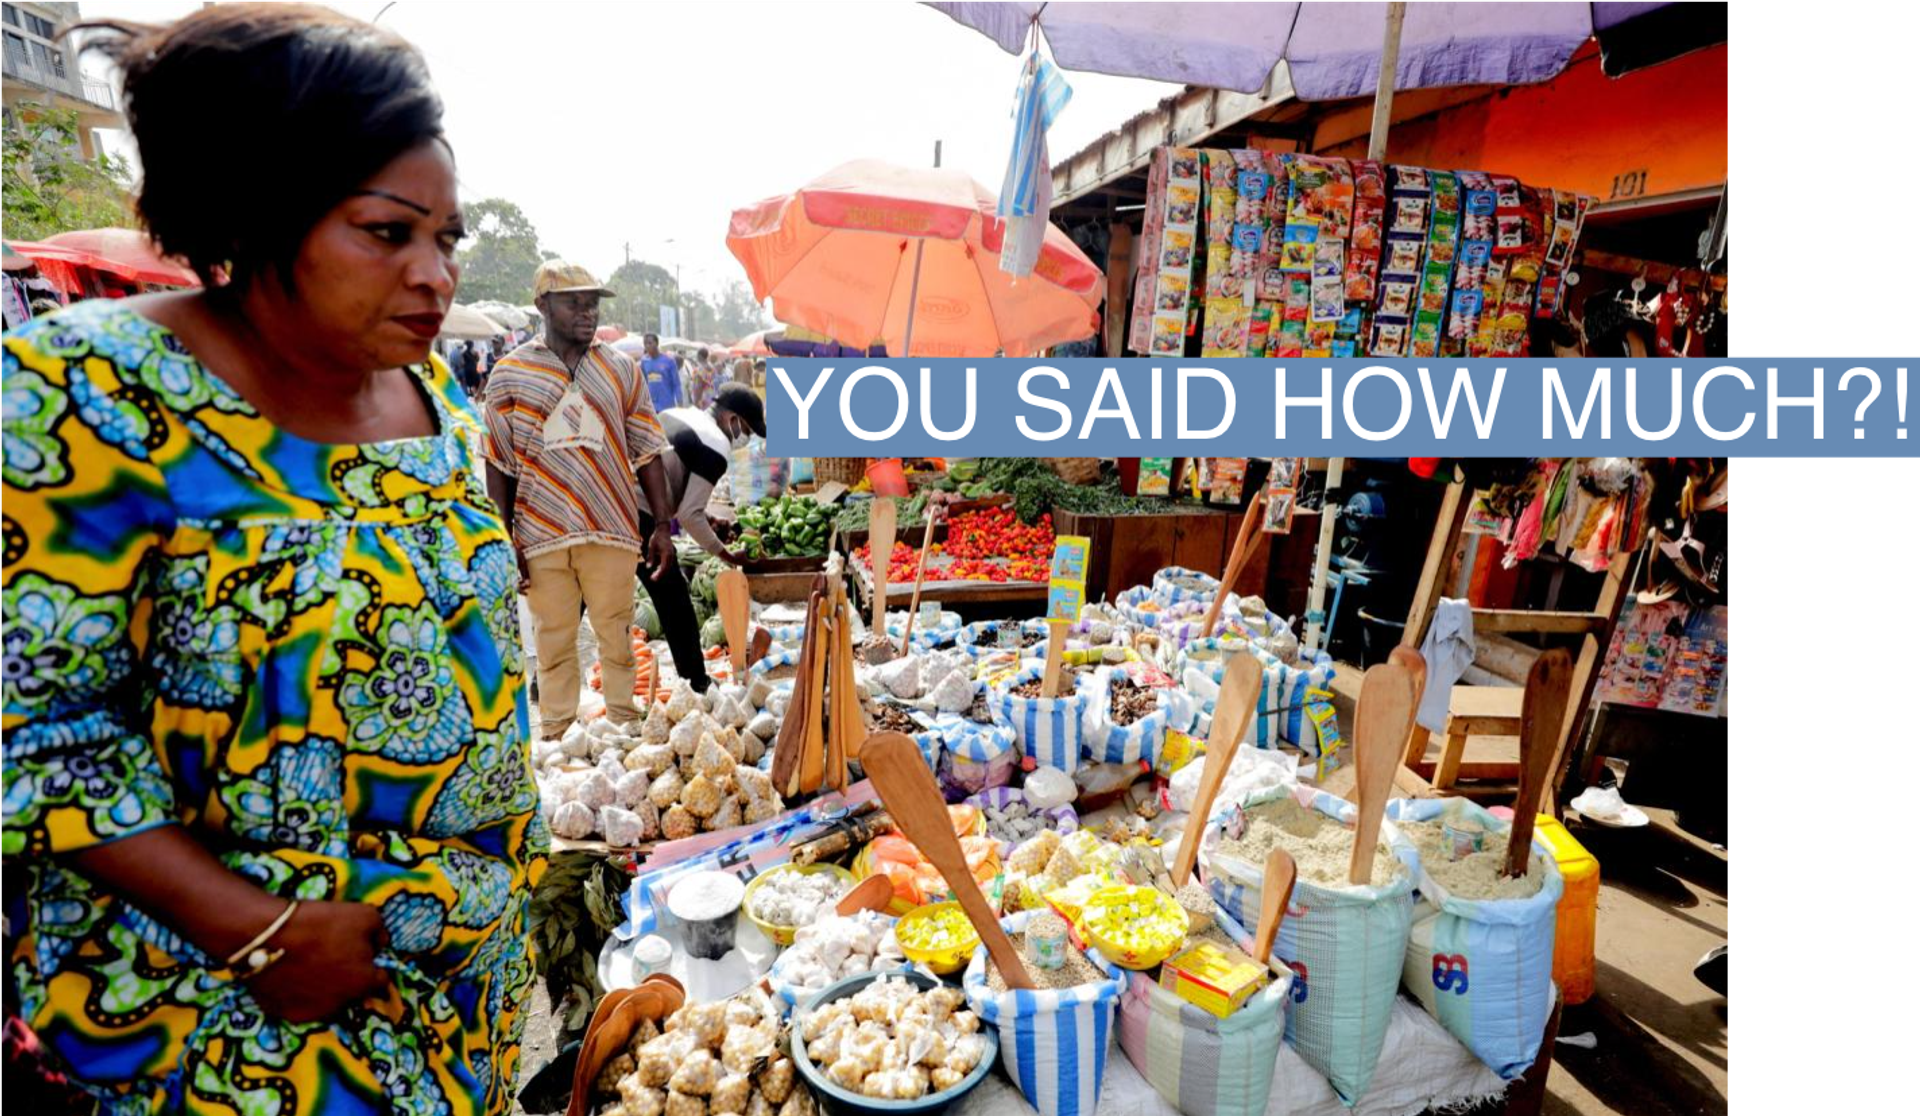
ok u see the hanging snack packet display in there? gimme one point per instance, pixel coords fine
(1509, 243)
(1283, 489)
(1443, 234)
(1476, 255)
(1400, 265)
(1167, 249)
(1369, 226)
(1523, 277)
(1569, 210)
(1226, 315)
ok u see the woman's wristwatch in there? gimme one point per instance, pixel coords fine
(256, 956)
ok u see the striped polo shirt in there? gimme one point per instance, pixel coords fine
(571, 495)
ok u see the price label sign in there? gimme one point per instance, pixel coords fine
(1067, 578)
(1070, 558)
(1064, 602)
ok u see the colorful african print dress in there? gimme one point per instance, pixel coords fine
(309, 654)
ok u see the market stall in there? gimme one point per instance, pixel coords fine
(1154, 811)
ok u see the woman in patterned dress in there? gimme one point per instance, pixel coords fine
(270, 826)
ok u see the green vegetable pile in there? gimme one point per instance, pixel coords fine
(857, 515)
(703, 584)
(576, 905)
(1036, 490)
(784, 527)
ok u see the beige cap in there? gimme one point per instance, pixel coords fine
(560, 277)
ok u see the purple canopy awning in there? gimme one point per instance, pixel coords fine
(1332, 49)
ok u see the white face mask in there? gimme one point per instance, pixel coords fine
(740, 440)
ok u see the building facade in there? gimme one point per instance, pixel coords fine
(43, 70)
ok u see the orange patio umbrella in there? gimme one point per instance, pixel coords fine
(910, 255)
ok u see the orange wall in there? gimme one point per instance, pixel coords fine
(1583, 130)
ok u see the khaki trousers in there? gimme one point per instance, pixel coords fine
(559, 582)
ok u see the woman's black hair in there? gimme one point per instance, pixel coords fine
(255, 119)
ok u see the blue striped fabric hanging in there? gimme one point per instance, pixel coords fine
(1026, 194)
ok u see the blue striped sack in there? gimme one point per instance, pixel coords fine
(1050, 730)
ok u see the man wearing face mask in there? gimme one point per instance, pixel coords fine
(700, 445)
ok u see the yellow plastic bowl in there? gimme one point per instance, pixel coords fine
(783, 935)
(949, 959)
(1104, 913)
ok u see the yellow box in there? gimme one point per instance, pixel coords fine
(1213, 979)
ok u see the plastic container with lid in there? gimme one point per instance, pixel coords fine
(708, 905)
(1577, 914)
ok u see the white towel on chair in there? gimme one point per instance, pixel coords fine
(1448, 650)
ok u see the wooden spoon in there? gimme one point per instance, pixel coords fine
(1234, 562)
(813, 742)
(791, 738)
(1055, 670)
(850, 723)
(1382, 721)
(1541, 711)
(919, 579)
(880, 536)
(614, 1022)
(1275, 890)
(1409, 658)
(906, 786)
(1232, 711)
(731, 589)
(870, 894)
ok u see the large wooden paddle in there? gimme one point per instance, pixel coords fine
(791, 739)
(1235, 561)
(898, 770)
(880, 538)
(1382, 721)
(813, 739)
(870, 894)
(919, 579)
(1542, 708)
(1275, 890)
(1409, 658)
(731, 589)
(1232, 711)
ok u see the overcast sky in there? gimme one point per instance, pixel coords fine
(615, 123)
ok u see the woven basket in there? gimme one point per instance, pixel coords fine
(846, 470)
(1074, 470)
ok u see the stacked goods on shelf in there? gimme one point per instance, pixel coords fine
(1326, 257)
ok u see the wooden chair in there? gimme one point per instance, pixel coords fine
(1495, 710)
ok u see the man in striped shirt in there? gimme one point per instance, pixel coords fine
(569, 422)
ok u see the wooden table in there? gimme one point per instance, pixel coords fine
(1005, 599)
(1129, 549)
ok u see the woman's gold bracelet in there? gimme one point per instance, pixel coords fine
(254, 958)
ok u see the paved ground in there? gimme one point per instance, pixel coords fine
(1662, 1034)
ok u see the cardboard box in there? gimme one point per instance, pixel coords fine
(1213, 979)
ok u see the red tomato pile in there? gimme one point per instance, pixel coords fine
(986, 545)
(902, 564)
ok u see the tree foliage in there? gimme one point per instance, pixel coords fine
(50, 187)
(499, 261)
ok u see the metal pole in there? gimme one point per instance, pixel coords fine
(1323, 554)
(1383, 85)
(913, 291)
